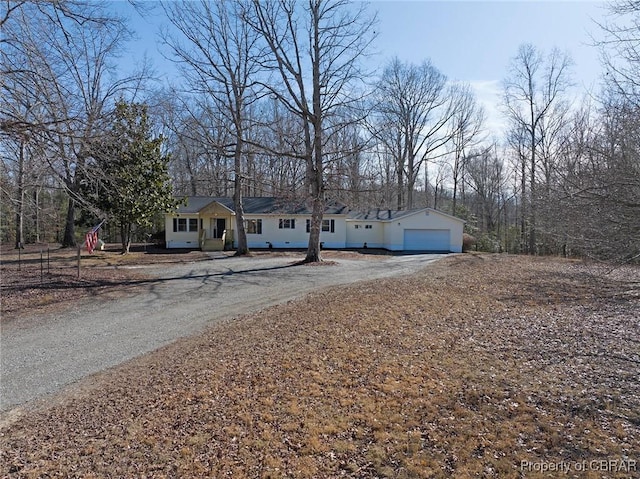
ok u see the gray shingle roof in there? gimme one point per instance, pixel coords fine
(194, 204)
(382, 215)
(271, 205)
(259, 205)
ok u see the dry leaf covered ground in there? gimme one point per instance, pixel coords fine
(41, 277)
(480, 366)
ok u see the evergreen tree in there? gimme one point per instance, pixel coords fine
(134, 178)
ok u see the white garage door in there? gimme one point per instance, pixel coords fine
(426, 240)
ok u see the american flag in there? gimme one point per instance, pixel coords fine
(91, 238)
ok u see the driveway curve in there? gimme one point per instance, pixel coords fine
(42, 356)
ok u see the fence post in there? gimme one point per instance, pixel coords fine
(79, 249)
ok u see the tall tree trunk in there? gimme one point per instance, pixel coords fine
(69, 239)
(313, 250)
(20, 205)
(125, 236)
(314, 158)
(532, 192)
(400, 204)
(436, 191)
(411, 171)
(457, 180)
(523, 204)
(411, 183)
(315, 175)
(193, 178)
(455, 195)
(36, 213)
(242, 248)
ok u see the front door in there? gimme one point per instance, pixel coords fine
(219, 225)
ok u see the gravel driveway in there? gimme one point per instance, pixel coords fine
(47, 353)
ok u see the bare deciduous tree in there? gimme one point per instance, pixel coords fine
(62, 54)
(467, 123)
(599, 191)
(620, 48)
(486, 179)
(413, 109)
(221, 61)
(533, 90)
(315, 47)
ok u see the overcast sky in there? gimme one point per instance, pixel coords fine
(471, 41)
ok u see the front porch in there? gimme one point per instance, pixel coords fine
(216, 233)
(216, 244)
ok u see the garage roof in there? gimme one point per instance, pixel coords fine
(381, 215)
(390, 215)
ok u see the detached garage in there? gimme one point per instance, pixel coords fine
(425, 229)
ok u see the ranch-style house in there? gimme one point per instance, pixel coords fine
(208, 223)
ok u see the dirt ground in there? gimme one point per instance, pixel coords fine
(480, 366)
(42, 277)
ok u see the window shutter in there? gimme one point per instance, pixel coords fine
(333, 226)
(308, 226)
(175, 224)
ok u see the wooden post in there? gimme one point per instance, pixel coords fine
(79, 250)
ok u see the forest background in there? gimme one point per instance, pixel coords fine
(291, 99)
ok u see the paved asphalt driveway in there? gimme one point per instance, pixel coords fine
(41, 356)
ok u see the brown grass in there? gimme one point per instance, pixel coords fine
(43, 277)
(465, 370)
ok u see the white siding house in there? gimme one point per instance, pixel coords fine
(291, 231)
(365, 234)
(423, 229)
(209, 223)
(202, 223)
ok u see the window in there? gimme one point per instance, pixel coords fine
(329, 225)
(253, 227)
(368, 227)
(287, 224)
(183, 225)
(357, 226)
(179, 224)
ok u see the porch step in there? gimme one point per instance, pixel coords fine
(213, 245)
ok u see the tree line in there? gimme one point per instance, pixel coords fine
(277, 98)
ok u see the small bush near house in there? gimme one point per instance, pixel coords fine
(468, 242)
(487, 243)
